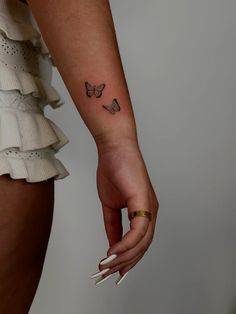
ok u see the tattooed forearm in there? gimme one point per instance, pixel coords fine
(94, 90)
(114, 107)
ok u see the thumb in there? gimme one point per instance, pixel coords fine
(113, 224)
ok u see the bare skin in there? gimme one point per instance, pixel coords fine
(80, 36)
(26, 212)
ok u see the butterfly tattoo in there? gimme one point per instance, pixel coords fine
(94, 90)
(113, 108)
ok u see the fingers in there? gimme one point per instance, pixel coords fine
(126, 267)
(132, 246)
(138, 228)
(123, 267)
(130, 258)
(125, 260)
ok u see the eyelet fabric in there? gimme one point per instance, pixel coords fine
(28, 139)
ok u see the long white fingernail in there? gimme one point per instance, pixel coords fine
(108, 259)
(99, 273)
(121, 278)
(97, 282)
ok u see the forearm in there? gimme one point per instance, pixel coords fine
(81, 38)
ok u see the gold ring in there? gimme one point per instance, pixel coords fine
(140, 213)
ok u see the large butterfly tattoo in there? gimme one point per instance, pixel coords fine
(94, 90)
(113, 108)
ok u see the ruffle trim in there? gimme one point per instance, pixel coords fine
(35, 170)
(27, 83)
(17, 30)
(27, 134)
(29, 130)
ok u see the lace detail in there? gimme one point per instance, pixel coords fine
(28, 139)
(19, 55)
(33, 166)
(30, 154)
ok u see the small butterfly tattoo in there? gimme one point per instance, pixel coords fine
(113, 108)
(94, 90)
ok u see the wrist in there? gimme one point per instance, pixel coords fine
(113, 141)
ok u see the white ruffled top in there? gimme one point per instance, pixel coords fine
(28, 139)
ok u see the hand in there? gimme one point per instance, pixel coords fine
(123, 182)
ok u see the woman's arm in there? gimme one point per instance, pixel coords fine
(81, 38)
